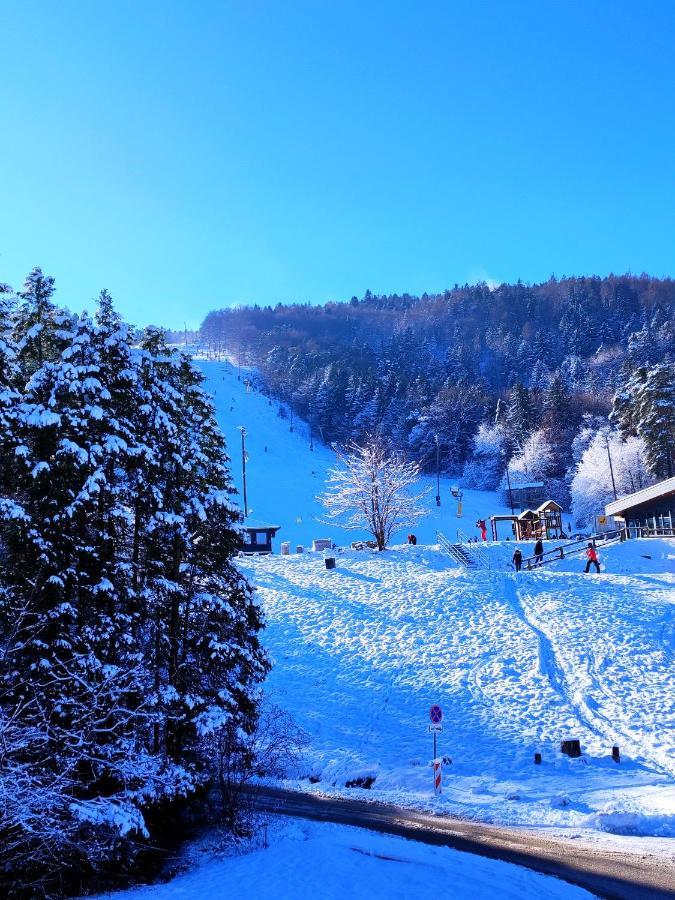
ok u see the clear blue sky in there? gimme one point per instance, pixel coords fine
(191, 155)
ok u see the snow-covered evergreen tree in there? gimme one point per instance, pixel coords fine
(645, 406)
(130, 641)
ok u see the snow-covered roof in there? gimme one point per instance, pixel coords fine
(527, 484)
(547, 504)
(259, 526)
(616, 507)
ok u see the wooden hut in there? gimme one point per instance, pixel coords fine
(550, 514)
(257, 538)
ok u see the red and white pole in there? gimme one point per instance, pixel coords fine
(438, 776)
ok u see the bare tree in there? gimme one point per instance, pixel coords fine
(375, 489)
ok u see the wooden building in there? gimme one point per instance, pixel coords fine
(649, 512)
(258, 538)
(544, 522)
(527, 496)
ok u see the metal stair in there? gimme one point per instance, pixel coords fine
(459, 552)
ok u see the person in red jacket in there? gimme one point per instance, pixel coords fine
(592, 559)
(483, 529)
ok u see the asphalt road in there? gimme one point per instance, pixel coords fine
(606, 873)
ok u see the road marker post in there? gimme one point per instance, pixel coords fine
(436, 727)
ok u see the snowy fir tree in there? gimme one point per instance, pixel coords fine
(130, 641)
(645, 406)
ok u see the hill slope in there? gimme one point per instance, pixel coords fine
(517, 662)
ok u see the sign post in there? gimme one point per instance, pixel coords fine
(436, 727)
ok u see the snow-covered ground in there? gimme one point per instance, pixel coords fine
(312, 860)
(284, 480)
(517, 662)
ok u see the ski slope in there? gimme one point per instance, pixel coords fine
(283, 481)
(517, 662)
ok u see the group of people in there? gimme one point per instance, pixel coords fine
(591, 557)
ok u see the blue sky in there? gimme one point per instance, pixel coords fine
(198, 154)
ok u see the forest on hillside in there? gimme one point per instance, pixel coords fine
(478, 376)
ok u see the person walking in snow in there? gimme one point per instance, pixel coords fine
(539, 553)
(517, 558)
(592, 559)
(483, 529)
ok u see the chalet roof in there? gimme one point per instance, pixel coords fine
(661, 489)
(527, 514)
(259, 526)
(548, 504)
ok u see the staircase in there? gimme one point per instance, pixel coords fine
(465, 554)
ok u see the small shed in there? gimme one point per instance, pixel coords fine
(257, 538)
(550, 514)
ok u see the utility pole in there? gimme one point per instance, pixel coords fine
(311, 438)
(438, 474)
(508, 481)
(243, 466)
(291, 411)
(611, 469)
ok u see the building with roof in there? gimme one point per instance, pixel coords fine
(649, 512)
(257, 538)
(527, 496)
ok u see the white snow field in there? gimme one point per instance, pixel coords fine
(331, 862)
(518, 662)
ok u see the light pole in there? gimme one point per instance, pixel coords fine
(611, 469)
(438, 472)
(508, 481)
(243, 466)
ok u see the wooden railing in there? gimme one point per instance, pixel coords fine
(573, 548)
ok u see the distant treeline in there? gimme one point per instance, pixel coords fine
(418, 369)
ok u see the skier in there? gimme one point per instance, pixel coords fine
(592, 558)
(539, 553)
(483, 529)
(517, 559)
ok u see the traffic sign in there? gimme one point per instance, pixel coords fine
(435, 728)
(436, 714)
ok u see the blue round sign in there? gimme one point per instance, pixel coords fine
(436, 714)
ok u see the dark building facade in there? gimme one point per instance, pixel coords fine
(649, 512)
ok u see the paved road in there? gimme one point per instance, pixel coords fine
(612, 874)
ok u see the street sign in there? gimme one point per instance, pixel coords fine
(435, 728)
(436, 714)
